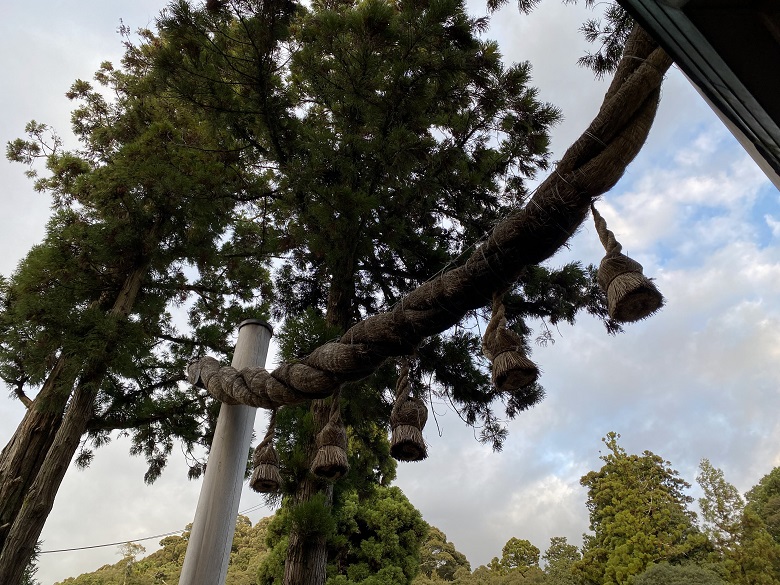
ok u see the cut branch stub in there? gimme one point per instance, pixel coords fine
(330, 461)
(631, 296)
(266, 478)
(512, 370)
(407, 421)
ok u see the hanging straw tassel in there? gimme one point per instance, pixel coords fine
(512, 370)
(631, 296)
(407, 421)
(265, 475)
(331, 462)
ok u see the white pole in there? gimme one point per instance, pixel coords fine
(211, 537)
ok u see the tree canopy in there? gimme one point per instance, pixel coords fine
(395, 138)
(638, 515)
(382, 538)
(149, 216)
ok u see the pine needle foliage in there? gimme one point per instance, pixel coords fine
(638, 515)
(149, 188)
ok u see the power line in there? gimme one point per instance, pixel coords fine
(43, 552)
(59, 550)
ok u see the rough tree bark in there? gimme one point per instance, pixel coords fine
(38, 499)
(307, 554)
(25, 452)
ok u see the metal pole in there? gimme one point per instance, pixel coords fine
(211, 537)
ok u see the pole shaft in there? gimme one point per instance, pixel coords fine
(211, 537)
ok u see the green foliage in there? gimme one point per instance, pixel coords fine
(721, 507)
(312, 517)
(638, 516)
(757, 557)
(560, 558)
(439, 559)
(764, 499)
(165, 564)
(304, 332)
(519, 555)
(378, 540)
(688, 574)
(395, 137)
(372, 538)
(28, 578)
(609, 33)
(745, 549)
(148, 192)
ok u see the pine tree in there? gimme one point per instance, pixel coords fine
(380, 144)
(440, 559)
(745, 548)
(142, 221)
(559, 559)
(638, 516)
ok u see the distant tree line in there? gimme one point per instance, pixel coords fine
(642, 532)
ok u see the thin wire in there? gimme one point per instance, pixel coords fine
(43, 552)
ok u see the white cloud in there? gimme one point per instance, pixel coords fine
(773, 224)
(694, 207)
(550, 506)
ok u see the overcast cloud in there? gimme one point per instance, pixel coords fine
(700, 379)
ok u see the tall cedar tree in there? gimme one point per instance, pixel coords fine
(395, 138)
(745, 549)
(439, 559)
(374, 537)
(764, 499)
(638, 516)
(152, 212)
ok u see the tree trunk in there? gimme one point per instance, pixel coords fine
(340, 310)
(39, 499)
(26, 527)
(25, 452)
(307, 554)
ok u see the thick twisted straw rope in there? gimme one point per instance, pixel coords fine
(497, 337)
(589, 168)
(608, 240)
(615, 263)
(268, 440)
(407, 409)
(402, 383)
(512, 370)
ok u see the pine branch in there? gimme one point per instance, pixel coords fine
(119, 422)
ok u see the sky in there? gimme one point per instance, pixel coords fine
(698, 380)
